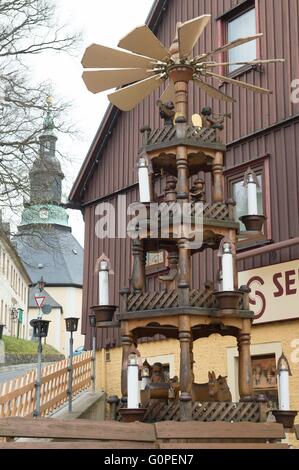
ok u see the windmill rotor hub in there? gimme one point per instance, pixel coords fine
(181, 73)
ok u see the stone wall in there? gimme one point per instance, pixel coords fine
(14, 359)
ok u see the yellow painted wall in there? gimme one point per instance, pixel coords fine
(209, 354)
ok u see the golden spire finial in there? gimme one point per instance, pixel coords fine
(49, 101)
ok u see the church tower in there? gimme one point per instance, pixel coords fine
(45, 242)
(45, 206)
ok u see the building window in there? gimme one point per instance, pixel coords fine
(239, 194)
(237, 190)
(241, 26)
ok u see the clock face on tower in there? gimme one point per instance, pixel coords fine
(43, 213)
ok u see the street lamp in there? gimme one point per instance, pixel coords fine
(20, 320)
(40, 330)
(71, 324)
(1, 330)
(93, 325)
(41, 284)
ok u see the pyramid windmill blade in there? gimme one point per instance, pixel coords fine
(102, 57)
(168, 94)
(101, 80)
(248, 86)
(127, 98)
(143, 41)
(189, 33)
(252, 62)
(213, 92)
(233, 44)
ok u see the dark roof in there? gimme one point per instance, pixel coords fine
(52, 252)
(49, 300)
(109, 120)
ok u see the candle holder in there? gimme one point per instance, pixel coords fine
(253, 223)
(285, 417)
(104, 313)
(228, 300)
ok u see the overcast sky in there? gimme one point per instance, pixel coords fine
(102, 22)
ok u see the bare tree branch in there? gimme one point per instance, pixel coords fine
(26, 27)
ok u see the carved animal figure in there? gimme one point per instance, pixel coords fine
(214, 390)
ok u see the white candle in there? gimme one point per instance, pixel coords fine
(133, 384)
(227, 269)
(104, 283)
(284, 393)
(143, 177)
(252, 196)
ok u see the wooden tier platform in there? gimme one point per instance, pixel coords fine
(87, 434)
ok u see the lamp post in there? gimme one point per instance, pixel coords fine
(2, 348)
(1, 330)
(71, 324)
(93, 325)
(20, 320)
(40, 330)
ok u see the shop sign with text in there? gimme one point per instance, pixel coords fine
(274, 291)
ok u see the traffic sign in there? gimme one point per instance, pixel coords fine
(39, 300)
(46, 309)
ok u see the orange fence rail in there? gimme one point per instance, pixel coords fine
(17, 397)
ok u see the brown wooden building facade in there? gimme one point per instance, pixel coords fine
(263, 134)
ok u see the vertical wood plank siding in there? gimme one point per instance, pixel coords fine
(116, 169)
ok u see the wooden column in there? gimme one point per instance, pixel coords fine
(245, 370)
(185, 369)
(217, 169)
(126, 342)
(184, 264)
(170, 189)
(138, 274)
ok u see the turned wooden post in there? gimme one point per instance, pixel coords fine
(170, 189)
(183, 197)
(113, 402)
(126, 342)
(217, 169)
(245, 369)
(123, 306)
(185, 368)
(138, 274)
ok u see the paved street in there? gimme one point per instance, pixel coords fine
(14, 371)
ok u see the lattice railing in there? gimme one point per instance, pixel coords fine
(17, 397)
(168, 134)
(140, 301)
(159, 410)
(216, 211)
